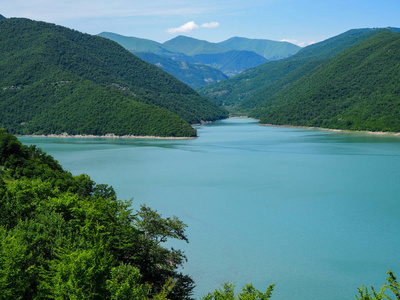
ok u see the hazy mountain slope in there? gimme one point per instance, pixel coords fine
(191, 46)
(271, 50)
(240, 88)
(357, 89)
(195, 75)
(231, 62)
(2, 17)
(133, 44)
(98, 86)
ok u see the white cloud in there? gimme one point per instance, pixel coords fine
(210, 25)
(188, 27)
(191, 26)
(298, 43)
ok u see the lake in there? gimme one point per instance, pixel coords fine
(315, 211)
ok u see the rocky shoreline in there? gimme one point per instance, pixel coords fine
(337, 130)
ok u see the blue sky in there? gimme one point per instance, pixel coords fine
(299, 21)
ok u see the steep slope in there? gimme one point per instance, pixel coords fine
(271, 50)
(194, 75)
(2, 17)
(357, 89)
(55, 80)
(241, 88)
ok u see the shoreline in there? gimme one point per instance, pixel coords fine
(338, 130)
(107, 136)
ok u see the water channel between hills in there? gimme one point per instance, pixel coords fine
(316, 211)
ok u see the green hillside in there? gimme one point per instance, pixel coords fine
(56, 80)
(275, 74)
(2, 17)
(194, 75)
(358, 89)
(191, 46)
(271, 50)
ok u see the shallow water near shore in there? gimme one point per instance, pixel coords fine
(318, 212)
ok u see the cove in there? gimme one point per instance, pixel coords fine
(315, 211)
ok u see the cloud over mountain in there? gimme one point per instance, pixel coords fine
(191, 26)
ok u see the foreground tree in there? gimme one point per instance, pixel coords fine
(64, 237)
(391, 283)
(248, 293)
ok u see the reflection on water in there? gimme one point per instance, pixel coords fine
(315, 211)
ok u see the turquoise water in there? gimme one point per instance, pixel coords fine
(318, 212)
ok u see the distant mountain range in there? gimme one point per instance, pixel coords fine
(349, 81)
(54, 80)
(194, 75)
(230, 57)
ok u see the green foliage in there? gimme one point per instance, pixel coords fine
(248, 293)
(391, 283)
(56, 80)
(64, 237)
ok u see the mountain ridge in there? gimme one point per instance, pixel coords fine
(191, 50)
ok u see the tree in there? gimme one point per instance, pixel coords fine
(391, 283)
(248, 293)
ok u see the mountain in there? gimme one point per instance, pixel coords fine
(231, 56)
(54, 79)
(2, 17)
(194, 75)
(231, 62)
(357, 90)
(271, 50)
(134, 44)
(191, 46)
(247, 90)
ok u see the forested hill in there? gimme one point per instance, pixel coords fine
(54, 79)
(358, 89)
(65, 237)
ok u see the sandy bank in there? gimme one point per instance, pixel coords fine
(108, 136)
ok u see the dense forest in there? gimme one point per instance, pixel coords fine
(54, 79)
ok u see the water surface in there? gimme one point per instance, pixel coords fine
(315, 211)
